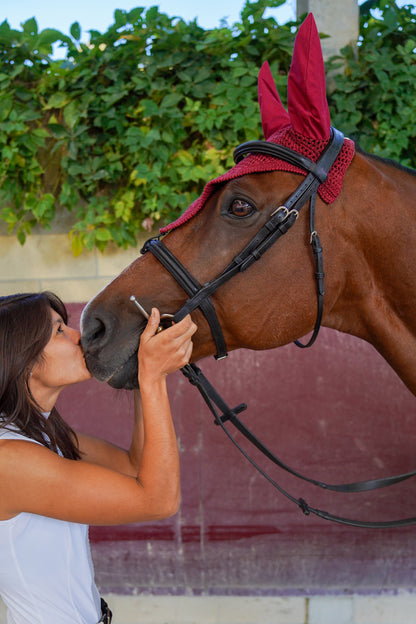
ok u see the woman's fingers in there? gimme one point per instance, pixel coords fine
(152, 325)
(165, 352)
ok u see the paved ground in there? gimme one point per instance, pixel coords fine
(389, 609)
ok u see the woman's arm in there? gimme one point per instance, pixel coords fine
(36, 480)
(104, 453)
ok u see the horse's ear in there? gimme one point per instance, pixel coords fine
(306, 91)
(273, 114)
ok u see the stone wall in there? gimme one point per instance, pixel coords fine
(46, 262)
(338, 18)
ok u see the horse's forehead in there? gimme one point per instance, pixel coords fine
(256, 181)
(259, 163)
(245, 182)
(256, 187)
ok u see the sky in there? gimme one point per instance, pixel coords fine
(98, 15)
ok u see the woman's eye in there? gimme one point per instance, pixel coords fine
(60, 329)
(241, 208)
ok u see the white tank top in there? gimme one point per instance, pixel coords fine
(46, 571)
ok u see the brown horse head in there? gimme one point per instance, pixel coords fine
(274, 302)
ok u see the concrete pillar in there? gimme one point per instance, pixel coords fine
(337, 18)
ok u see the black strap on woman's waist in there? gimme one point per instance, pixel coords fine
(106, 615)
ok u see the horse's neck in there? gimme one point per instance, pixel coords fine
(373, 293)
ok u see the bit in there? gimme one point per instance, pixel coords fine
(141, 308)
(146, 315)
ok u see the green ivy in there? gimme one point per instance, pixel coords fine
(123, 133)
(374, 98)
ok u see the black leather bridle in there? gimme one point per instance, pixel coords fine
(280, 221)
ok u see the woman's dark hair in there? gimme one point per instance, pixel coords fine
(25, 330)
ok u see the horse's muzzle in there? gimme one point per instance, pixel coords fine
(110, 346)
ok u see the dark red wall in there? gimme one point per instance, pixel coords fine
(336, 412)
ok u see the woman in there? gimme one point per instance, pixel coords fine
(54, 482)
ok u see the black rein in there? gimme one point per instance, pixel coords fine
(278, 224)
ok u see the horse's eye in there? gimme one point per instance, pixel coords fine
(241, 208)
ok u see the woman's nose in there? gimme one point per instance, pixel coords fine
(75, 335)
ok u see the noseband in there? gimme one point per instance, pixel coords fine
(280, 221)
(278, 224)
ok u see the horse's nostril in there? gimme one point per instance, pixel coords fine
(94, 332)
(98, 332)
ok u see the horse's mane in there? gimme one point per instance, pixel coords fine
(387, 161)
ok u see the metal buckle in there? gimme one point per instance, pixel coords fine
(283, 208)
(295, 212)
(286, 212)
(313, 235)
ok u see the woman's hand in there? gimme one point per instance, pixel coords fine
(165, 352)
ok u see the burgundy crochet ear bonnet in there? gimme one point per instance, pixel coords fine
(305, 127)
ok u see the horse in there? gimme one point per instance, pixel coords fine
(363, 208)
